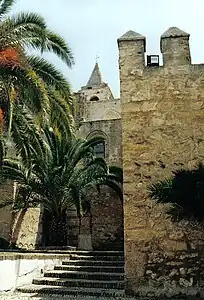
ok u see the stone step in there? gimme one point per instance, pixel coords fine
(97, 257)
(93, 268)
(97, 253)
(85, 275)
(53, 290)
(80, 283)
(93, 263)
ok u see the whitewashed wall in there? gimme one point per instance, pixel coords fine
(21, 271)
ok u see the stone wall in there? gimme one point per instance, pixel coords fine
(6, 193)
(26, 228)
(112, 131)
(103, 110)
(107, 209)
(100, 114)
(163, 130)
(106, 108)
(177, 273)
(106, 222)
(23, 227)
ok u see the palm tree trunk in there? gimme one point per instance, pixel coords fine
(58, 230)
(16, 225)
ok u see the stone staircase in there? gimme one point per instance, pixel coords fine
(97, 273)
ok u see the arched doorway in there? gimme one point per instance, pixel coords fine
(106, 209)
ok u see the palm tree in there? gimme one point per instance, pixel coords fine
(60, 177)
(43, 178)
(30, 30)
(29, 144)
(30, 81)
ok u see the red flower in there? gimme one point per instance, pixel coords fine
(9, 57)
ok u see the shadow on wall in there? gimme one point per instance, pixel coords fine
(17, 221)
(6, 192)
(25, 230)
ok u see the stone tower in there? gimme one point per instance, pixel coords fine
(175, 47)
(163, 128)
(136, 47)
(96, 101)
(100, 114)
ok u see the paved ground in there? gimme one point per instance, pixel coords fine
(16, 296)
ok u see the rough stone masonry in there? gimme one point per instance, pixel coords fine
(163, 130)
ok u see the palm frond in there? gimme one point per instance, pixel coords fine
(49, 74)
(25, 21)
(61, 114)
(30, 29)
(5, 6)
(115, 186)
(26, 136)
(13, 170)
(118, 172)
(82, 147)
(98, 162)
(21, 29)
(35, 84)
(161, 190)
(56, 44)
(31, 90)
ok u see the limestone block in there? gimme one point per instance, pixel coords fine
(26, 228)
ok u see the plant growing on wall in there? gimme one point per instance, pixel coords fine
(184, 191)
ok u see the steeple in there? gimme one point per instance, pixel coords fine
(95, 78)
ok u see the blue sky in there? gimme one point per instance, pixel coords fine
(91, 27)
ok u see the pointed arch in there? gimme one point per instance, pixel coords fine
(111, 114)
(102, 149)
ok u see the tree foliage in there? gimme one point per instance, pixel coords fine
(57, 173)
(30, 81)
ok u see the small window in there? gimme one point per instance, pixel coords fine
(153, 60)
(99, 150)
(94, 98)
